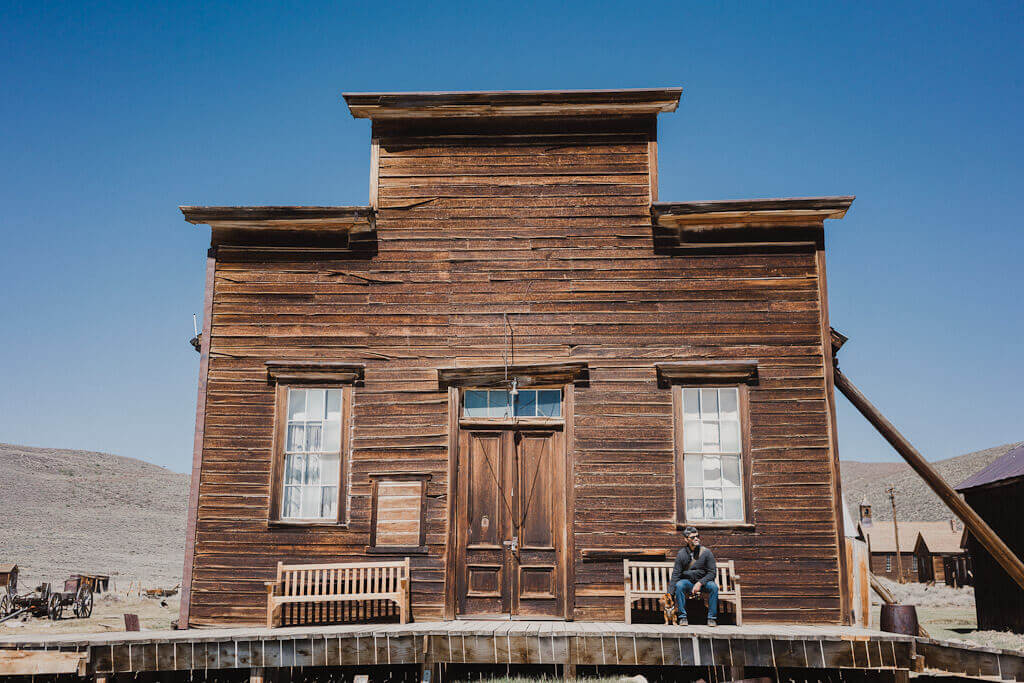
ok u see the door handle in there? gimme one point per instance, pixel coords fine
(512, 545)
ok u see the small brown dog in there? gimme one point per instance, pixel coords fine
(668, 607)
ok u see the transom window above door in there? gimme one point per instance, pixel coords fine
(502, 403)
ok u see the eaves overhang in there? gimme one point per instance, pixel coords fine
(281, 217)
(504, 103)
(749, 213)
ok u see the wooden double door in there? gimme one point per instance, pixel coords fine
(511, 526)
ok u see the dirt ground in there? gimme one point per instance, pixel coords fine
(107, 615)
(948, 614)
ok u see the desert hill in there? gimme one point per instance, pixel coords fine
(65, 511)
(914, 500)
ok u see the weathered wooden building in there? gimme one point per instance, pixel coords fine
(996, 493)
(939, 555)
(517, 366)
(922, 545)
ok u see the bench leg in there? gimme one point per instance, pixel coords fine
(629, 609)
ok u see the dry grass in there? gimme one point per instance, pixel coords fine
(64, 512)
(948, 614)
(107, 615)
(924, 595)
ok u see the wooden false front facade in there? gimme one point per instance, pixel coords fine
(516, 236)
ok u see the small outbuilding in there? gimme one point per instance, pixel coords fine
(936, 550)
(995, 493)
(883, 544)
(8, 578)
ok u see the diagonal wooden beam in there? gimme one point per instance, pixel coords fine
(977, 526)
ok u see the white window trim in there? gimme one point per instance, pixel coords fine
(702, 422)
(286, 453)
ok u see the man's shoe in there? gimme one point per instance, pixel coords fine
(683, 621)
(712, 622)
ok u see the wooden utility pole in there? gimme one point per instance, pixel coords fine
(896, 534)
(977, 526)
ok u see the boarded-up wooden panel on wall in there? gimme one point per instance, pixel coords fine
(397, 514)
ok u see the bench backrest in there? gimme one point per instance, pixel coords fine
(342, 579)
(653, 577)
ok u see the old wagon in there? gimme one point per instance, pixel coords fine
(44, 601)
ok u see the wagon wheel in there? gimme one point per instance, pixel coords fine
(55, 608)
(6, 605)
(83, 603)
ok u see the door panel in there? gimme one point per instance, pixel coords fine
(486, 481)
(535, 505)
(483, 576)
(540, 497)
(511, 485)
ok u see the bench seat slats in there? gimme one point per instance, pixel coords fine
(651, 580)
(316, 589)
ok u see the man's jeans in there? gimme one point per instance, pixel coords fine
(685, 586)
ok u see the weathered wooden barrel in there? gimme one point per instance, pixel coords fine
(899, 619)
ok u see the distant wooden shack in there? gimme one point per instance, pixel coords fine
(562, 371)
(922, 564)
(939, 555)
(996, 493)
(8, 578)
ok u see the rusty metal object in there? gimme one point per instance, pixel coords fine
(161, 592)
(899, 619)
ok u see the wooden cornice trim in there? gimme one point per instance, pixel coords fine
(749, 213)
(282, 217)
(410, 105)
(304, 372)
(495, 375)
(412, 476)
(743, 371)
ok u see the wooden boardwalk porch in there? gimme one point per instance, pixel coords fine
(733, 649)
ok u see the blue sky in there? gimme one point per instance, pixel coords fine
(113, 115)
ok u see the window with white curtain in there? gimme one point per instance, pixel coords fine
(312, 454)
(712, 454)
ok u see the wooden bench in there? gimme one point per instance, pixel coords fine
(651, 580)
(313, 587)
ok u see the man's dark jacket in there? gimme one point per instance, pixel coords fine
(703, 569)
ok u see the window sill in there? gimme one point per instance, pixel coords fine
(288, 523)
(397, 550)
(702, 524)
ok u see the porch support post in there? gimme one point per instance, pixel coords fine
(977, 526)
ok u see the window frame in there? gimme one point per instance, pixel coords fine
(514, 419)
(375, 479)
(278, 454)
(743, 398)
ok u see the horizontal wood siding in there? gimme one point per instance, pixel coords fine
(548, 222)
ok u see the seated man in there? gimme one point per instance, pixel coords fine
(695, 571)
